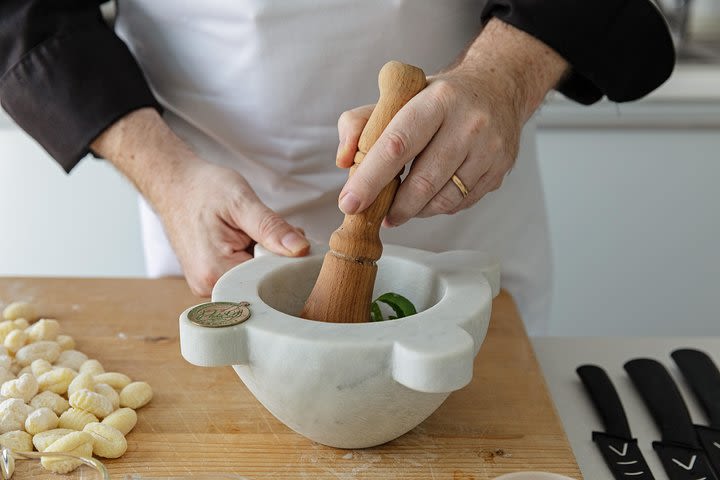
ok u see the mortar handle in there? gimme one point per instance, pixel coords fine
(358, 238)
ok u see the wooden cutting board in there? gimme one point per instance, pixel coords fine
(204, 421)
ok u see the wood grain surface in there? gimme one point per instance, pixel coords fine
(203, 421)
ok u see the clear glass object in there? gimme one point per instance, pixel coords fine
(21, 465)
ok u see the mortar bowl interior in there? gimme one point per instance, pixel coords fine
(286, 288)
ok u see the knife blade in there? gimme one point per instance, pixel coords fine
(704, 379)
(703, 376)
(679, 451)
(617, 446)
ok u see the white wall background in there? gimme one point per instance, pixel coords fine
(84, 224)
(635, 224)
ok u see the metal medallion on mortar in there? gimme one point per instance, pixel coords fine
(219, 314)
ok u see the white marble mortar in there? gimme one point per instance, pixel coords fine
(352, 385)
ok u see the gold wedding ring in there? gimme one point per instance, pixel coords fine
(461, 186)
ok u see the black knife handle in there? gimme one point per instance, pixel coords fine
(623, 457)
(664, 401)
(606, 400)
(683, 463)
(703, 377)
(710, 440)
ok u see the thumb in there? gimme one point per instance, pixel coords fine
(272, 232)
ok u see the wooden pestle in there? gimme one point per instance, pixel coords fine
(344, 288)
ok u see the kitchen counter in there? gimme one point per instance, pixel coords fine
(690, 99)
(203, 420)
(560, 356)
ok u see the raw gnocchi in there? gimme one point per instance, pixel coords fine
(41, 420)
(43, 329)
(75, 419)
(20, 310)
(53, 398)
(74, 443)
(116, 380)
(91, 402)
(108, 442)
(24, 387)
(66, 342)
(44, 439)
(56, 380)
(44, 349)
(136, 395)
(17, 440)
(124, 419)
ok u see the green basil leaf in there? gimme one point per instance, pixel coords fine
(400, 305)
(375, 313)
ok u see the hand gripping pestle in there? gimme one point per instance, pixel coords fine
(343, 290)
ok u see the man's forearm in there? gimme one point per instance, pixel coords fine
(524, 64)
(145, 150)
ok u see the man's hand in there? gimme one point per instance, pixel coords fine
(210, 213)
(467, 122)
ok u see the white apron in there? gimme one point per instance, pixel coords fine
(258, 85)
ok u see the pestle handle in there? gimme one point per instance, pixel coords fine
(359, 235)
(343, 291)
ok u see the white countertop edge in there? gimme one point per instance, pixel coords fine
(690, 99)
(688, 83)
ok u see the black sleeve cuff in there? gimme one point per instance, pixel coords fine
(621, 49)
(71, 87)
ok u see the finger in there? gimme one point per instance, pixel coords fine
(350, 126)
(231, 240)
(429, 173)
(407, 134)
(447, 200)
(217, 252)
(269, 229)
(489, 182)
(202, 278)
(496, 165)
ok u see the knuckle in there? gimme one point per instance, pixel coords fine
(202, 284)
(444, 91)
(442, 203)
(344, 119)
(459, 208)
(226, 250)
(422, 185)
(496, 184)
(478, 123)
(396, 145)
(495, 144)
(270, 224)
